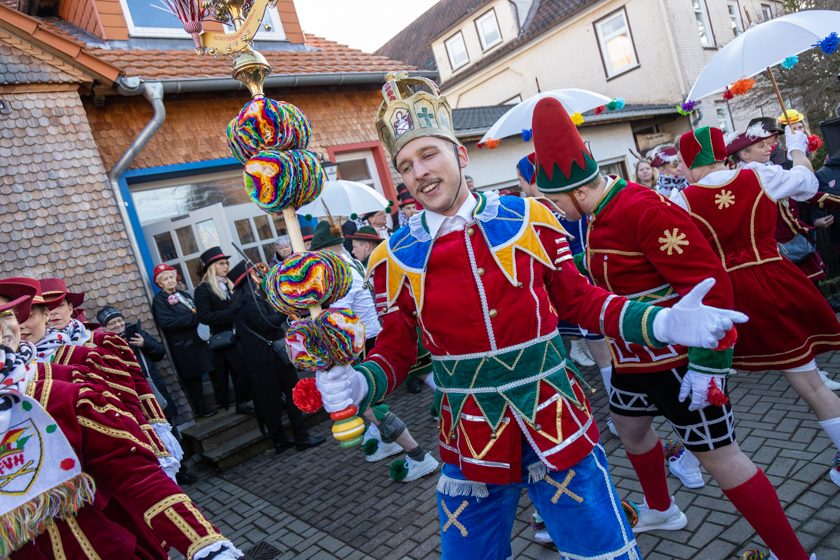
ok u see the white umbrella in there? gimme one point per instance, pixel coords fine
(344, 198)
(762, 47)
(519, 116)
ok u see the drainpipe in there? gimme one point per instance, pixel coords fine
(153, 92)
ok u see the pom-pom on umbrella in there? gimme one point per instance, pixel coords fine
(616, 104)
(790, 62)
(577, 119)
(687, 107)
(742, 86)
(527, 133)
(829, 44)
(599, 110)
(727, 94)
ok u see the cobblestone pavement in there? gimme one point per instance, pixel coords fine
(329, 503)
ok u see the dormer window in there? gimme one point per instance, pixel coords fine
(488, 30)
(151, 18)
(456, 50)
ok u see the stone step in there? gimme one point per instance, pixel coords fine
(237, 450)
(212, 432)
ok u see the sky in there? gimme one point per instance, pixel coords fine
(361, 24)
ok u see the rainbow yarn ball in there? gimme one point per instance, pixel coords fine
(342, 334)
(264, 123)
(342, 276)
(305, 279)
(275, 180)
(305, 348)
(271, 288)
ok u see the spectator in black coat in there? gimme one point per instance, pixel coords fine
(214, 308)
(175, 315)
(272, 379)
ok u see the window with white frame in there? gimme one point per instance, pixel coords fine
(616, 43)
(488, 30)
(766, 12)
(704, 28)
(152, 18)
(456, 50)
(735, 21)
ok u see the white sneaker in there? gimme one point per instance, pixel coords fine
(406, 470)
(830, 383)
(382, 450)
(578, 354)
(686, 467)
(541, 536)
(672, 519)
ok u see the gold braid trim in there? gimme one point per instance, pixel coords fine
(55, 542)
(162, 505)
(113, 432)
(200, 518)
(81, 538)
(103, 409)
(178, 520)
(201, 543)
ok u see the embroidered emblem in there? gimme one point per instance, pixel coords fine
(453, 518)
(724, 199)
(401, 122)
(19, 462)
(563, 487)
(673, 241)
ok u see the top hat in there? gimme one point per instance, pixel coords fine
(212, 255)
(239, 272)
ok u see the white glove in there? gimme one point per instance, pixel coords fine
(697, 384)
(341, 386)
(170, 466)
(219, 550)
(795, 140)
(164, 432)
(690, 323)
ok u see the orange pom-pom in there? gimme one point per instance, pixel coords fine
(492, 143)
(742, 86)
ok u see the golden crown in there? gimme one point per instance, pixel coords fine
(412, 108)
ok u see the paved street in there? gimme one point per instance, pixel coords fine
(330, 503)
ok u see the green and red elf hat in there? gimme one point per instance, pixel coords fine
(703, 146)
(563, 163)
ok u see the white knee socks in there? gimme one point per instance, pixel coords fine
(832, 428)
(606, 375)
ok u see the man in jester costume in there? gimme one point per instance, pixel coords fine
(484, 280)
(645, 247)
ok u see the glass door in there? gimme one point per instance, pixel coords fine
(178, 241)
(255, 230)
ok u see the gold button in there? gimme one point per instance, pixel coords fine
(470, 231)
(480, 271)
(492, 313)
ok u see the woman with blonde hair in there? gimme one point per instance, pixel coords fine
(645, 174)
(215, 309)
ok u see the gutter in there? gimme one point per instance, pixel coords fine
(153, 92)
(191, 85)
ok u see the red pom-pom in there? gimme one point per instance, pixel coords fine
(715, 396)
(814, 143)
(306, 396)
(728, 340)
(727, 94)
(601, 109)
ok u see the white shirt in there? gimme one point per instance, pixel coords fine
(360, 300)
(439, 224)
(798, 182)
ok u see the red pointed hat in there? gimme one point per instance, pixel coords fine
(55, 290)
(563, 163)
(703, 146)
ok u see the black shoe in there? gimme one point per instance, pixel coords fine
(184, 477)
(246, 409)
(308, 442)
(281, 446)
(205, 412)
(414, 385)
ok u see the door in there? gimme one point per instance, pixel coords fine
(255, 230)
(178, 241)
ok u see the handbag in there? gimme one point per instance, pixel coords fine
(222, 340)
(797, 249)
(279, 345)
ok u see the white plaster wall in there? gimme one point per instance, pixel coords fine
(569, 57)
(497, 168)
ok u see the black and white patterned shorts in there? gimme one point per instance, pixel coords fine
(657, 394)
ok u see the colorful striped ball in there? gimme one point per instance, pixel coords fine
(342, 334)
(275, 180)
(306, 349)
(265, 123)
